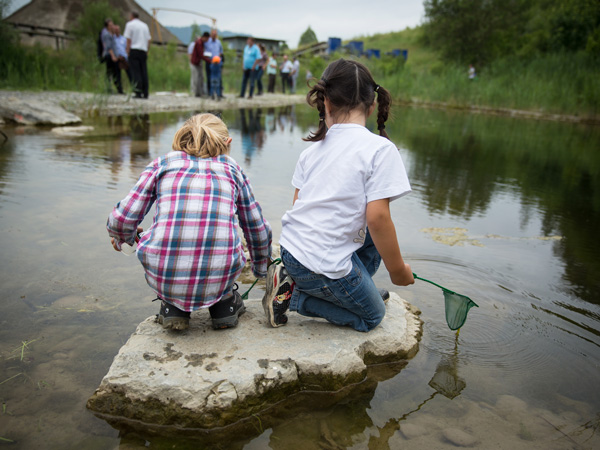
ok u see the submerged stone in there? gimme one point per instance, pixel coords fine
(204, 379)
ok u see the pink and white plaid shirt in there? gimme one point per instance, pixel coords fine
(192, 253)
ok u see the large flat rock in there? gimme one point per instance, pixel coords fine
(205, 379)
(27, 111)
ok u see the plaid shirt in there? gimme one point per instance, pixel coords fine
(192, 253)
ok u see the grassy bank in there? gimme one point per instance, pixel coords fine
(564, 83)
(552, 83)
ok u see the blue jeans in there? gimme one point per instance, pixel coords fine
(249, 75)
(353, 300)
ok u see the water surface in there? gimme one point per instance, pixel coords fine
(504, 211)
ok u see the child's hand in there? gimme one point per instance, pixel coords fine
(403, 277)
(115, 244)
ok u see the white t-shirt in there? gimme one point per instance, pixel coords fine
(336, 178)
(138, 32)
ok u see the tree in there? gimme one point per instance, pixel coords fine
(475, 31)
(196, 31)
(92, 19)
(308, 37)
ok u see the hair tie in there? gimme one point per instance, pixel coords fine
(381, 127)
(376, 88)
(321, 116)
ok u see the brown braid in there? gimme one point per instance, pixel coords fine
(316, 99)
(384, 104)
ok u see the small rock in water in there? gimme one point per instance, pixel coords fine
(459, 437)
(411, 431)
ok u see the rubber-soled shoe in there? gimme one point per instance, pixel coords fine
(385, 295)
(173, 318)
(276, 300)
(225, 312)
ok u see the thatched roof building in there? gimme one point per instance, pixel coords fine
(49, 21)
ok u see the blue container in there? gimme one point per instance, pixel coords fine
(373, 52)
(333, 44)
(405, 54)
(355, 47)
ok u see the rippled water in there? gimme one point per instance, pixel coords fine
(503, 211)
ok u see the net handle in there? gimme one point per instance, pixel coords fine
(435, 284)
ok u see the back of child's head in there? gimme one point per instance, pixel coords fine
(347, 85)
(202, 135)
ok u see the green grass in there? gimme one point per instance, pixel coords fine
(565, 83)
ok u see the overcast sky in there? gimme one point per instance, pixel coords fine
(288, 20)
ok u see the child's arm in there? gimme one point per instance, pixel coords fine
(383, 232)
(122, 224)
(257, 230)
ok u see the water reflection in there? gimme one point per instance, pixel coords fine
(460, 164)
(530, 351)
(255, 127)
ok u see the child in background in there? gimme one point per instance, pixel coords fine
(215, 77)
(340, 228)
(192, 253)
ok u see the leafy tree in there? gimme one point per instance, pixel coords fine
(8, 34)
(196, 31)
(308, 37)
(92, 21)
(475, 31)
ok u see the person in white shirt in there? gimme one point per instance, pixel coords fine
(340, 228)
(294, 74)
(285, 70)
(138, 42)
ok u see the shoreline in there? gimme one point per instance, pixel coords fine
(85, 105)
(499, 111)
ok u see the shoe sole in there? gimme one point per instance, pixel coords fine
(228, 322)
(268, 304)
(174, 323)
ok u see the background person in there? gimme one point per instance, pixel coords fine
(121, 48)
(272, 72)
(285, 70)
(212, 48)
(109, 56)
(198, 55)
(259, 69)
(138, 43)
(251, 55)
(294, 74)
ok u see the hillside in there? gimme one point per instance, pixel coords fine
(185, 33)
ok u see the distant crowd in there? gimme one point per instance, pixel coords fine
(256, 62)
(128, 52)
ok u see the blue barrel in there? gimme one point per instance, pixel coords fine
(333, 44)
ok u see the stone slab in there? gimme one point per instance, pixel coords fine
(37, 112)
(204, 379)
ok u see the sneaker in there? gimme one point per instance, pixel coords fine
(385, 295)
(276, 300)
(225, 312)
(171, 317)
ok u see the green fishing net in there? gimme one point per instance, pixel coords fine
(457, 307)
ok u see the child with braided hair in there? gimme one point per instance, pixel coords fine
(340, 228)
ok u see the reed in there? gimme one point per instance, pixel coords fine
(561, 83)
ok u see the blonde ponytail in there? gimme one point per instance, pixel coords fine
(202, 135)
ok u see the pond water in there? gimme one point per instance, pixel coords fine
(504, 211)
